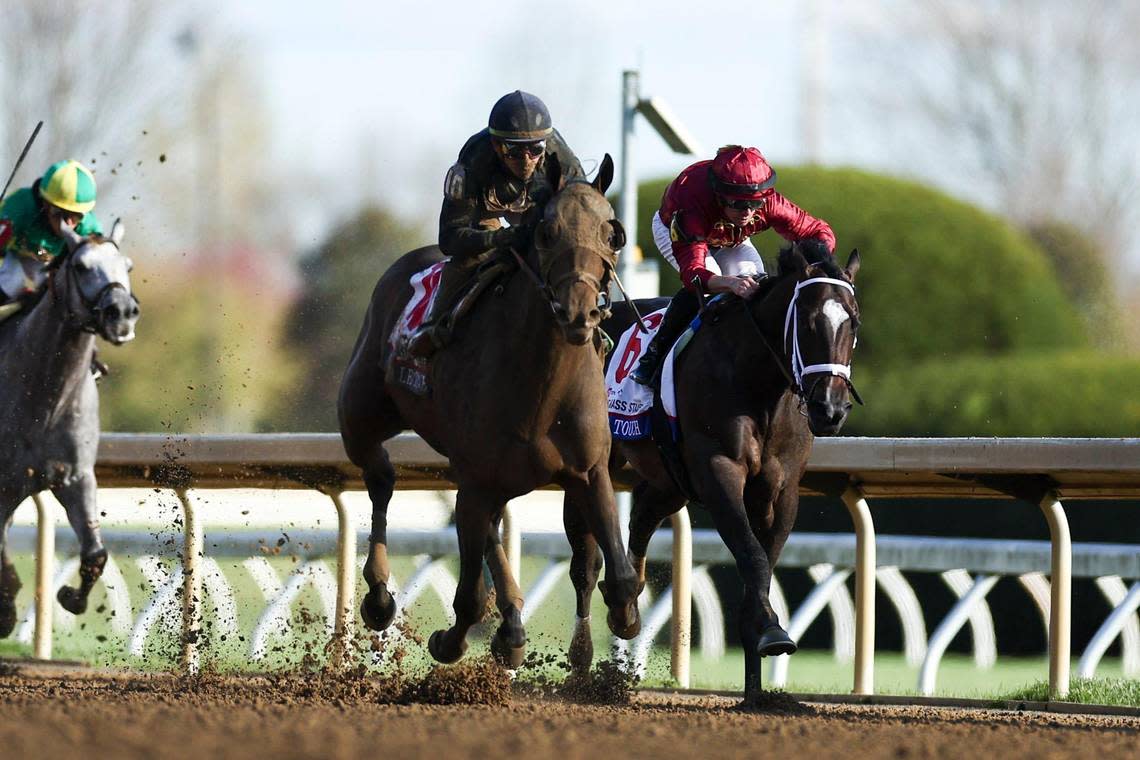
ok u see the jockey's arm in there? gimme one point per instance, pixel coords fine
(458, 235)
(795, 224)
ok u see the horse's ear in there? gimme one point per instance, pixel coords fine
(605, 175)
(117, 232)
(70, 237)
(853, 264)
(554, 171)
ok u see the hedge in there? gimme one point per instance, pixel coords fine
(1070, 394)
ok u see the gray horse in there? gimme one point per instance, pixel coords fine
(49, 404)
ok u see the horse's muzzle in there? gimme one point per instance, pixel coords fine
(828, 406)
(115, 316)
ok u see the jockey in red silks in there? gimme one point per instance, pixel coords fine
(703, 228)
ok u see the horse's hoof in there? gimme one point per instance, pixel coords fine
(510, 657)
(374, 613)
(71, 600)
(775, 641)
(440, 652)
(581, 654)
(625, 630)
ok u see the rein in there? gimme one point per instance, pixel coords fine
(795, 375)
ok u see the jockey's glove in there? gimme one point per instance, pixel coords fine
(517, 237)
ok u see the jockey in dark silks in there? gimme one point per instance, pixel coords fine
(501, 176)
(30, 223)
(707, 215)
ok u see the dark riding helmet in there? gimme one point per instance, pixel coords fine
(520, 117)
(741, 173)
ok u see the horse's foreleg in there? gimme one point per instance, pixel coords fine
(9, 580)
(585, 564)
(650, 507)
(509, 643)
(78, 500)
(474, 511)
(722, 487)
(596, 495)
(378, 608)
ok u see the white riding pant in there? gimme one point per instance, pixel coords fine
(739, 260)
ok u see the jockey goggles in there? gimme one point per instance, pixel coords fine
(520, 149)
(742, 204)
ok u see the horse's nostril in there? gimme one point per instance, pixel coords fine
(561, 314)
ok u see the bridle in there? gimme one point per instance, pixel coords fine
(794, 357)
(548, 256)
(94, 310)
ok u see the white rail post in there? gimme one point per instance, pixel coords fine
(512, 543)
(45, 568)
(864, 590)
(192, 549)
(1061, 595)
(682, 629)
(345, 581)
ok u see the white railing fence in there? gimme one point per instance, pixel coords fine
(853, 470)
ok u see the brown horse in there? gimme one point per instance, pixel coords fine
(756, 382)
(517, 403)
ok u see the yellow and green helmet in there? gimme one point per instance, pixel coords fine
(69, 185)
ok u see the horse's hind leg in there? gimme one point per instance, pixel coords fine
(78, 500)
(585, 565)
(650, 507)
(9, 580)
(474, 511)
(378, 608)
(509, 642)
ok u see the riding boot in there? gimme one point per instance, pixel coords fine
(435, 331)
(682, 309)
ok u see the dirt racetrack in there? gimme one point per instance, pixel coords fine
(106, 716)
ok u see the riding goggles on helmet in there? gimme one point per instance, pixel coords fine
(742, 204)
(520, 149)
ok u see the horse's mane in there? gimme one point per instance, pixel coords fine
(814, 257)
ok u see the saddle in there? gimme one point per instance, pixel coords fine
(413, 372)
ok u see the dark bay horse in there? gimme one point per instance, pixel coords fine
(49, 403)
(517, 403)
(757, 381)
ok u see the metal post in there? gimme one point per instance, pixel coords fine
(192, 551)
(627, 211)
(682, 629)
(512, 543)
(864, 590)
(345, 580)
(45, 567)
(1061, 596)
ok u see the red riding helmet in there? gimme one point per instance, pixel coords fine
(741, 173)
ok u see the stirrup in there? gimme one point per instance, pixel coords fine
(423, 344)
(645, 370)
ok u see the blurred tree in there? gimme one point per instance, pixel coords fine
(1033, 104)
(176, 377)
(90, 70)
(1085, 278)
(336, 285)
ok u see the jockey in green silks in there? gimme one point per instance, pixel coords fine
(31, 220)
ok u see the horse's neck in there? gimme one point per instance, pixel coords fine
(533, 336)
(48, 358)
